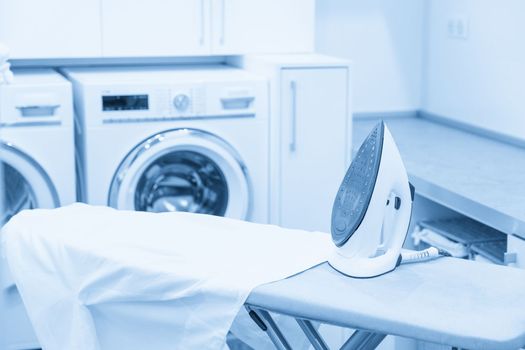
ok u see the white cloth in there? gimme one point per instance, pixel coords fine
(98, 278)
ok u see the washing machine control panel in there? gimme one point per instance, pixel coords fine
(156, 103)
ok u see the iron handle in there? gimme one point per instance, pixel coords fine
(293, 116)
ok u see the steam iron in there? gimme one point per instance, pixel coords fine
(372, 209)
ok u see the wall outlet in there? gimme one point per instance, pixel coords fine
(458, 27)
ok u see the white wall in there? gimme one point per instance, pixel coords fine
(479, 80)
(384, 39)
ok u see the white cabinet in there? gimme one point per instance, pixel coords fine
(262, 26)
(310, 144)
(155, 28)
(204, 27)
(51, 28)
(314, 145)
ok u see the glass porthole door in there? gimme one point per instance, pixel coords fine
(183, 170)
(23, 184)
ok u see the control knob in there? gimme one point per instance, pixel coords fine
(181, 102)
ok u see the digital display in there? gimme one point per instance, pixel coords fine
(125, 103)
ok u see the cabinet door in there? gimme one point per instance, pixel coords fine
(262, 26)
(50, 28)
(155, 27)
(314, 120)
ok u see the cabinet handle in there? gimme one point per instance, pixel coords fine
(223, 15)
(201, 39)
(293, 115)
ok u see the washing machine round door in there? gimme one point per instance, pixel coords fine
(24, 183)
(183, 170)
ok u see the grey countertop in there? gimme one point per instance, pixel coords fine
(473, 175)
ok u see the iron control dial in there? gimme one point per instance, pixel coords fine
(181, 102)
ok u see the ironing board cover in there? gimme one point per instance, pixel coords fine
(98, 278)
(449, 301)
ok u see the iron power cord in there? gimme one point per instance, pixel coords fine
(431, 253)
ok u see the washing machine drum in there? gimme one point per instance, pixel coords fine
(23, 183)
(183, 170)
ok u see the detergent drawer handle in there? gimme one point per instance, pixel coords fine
(237, 102)
(293, 116)
(38, 110)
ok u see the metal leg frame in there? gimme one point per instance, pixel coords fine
(360, 340)
(311, 333)
(363, 340)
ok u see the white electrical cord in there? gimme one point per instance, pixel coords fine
(437, 240)
(414, 256)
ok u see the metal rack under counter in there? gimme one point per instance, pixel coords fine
(476, 176)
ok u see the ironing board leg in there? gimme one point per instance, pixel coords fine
(270, 327)
(363, 340)
(311, 333)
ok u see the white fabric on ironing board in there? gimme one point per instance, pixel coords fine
(98, 278)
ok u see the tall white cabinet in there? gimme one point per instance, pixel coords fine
(311, 135)
(313, 144)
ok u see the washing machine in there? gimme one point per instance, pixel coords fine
(165, 139)
(37, 170)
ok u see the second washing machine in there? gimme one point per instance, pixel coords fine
(190, 138)
(37, 170)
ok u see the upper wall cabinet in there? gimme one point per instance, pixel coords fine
(262, 26)
(155, 28)
(51, 28)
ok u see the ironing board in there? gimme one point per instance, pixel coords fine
(447, 301)
(105, 279)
